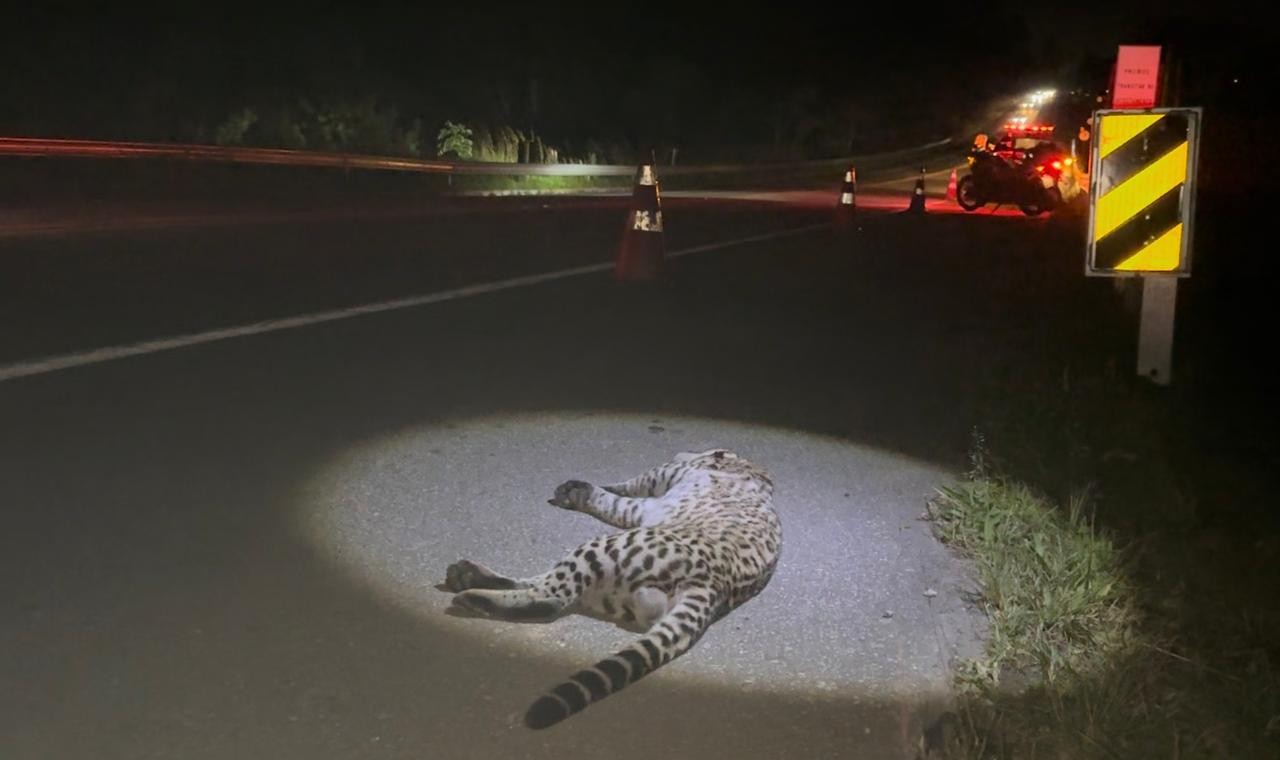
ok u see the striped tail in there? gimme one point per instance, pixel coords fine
(670, 637)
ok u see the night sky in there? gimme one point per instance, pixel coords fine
(654, 71)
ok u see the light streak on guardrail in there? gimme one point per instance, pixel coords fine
(100, 149)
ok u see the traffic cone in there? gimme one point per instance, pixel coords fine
(847, 208)
(951, 186)
(917, 198)
(642, 251)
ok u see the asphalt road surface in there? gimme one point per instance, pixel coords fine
(229, 549)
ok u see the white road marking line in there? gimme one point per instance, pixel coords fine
(111, 353)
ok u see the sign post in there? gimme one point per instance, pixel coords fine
(1141, 209)
(1131, 230)
(1155, 329)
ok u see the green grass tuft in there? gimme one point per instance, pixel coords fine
(1098, 651)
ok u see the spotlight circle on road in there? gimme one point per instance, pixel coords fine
(394, 511)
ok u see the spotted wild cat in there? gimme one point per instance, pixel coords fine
(700, 538)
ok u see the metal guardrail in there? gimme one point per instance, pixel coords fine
(62, 148)
(39, 147)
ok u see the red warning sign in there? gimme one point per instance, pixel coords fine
(1137, 73)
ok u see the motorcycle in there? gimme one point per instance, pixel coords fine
(1030, 181)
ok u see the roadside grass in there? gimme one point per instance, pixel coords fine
(1053, 585)
(1130, 618)
(535, 184)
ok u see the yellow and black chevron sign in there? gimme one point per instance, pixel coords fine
(1142, 191)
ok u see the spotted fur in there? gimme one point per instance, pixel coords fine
(700, 538)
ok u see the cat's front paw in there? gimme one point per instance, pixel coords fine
(462, 575)
(571, 494)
